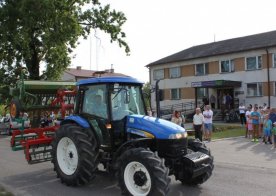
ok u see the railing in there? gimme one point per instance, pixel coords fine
(186, 108)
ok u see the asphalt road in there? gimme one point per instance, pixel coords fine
(241, 168)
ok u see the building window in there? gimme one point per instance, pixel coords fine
(253, 63)
(254, 89)
(158, 74)
(227, 66)
(175, 93)
(175, 72)
(201, 69)
(201, 92)
(274, 60)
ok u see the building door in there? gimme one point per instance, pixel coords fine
(223, 92)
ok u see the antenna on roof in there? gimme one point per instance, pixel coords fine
(214, 37)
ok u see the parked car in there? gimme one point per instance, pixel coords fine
(5, 124)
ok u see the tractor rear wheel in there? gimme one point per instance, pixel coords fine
(141, 172)
(75, 155)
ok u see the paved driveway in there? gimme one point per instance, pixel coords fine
(241, 168)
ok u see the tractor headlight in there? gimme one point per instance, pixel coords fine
(178, 135)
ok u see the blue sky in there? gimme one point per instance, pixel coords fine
(158, 28)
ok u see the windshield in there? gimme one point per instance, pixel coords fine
(126, 100)
(95, 101)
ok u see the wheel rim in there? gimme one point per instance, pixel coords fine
(67, 156)
(137, 179)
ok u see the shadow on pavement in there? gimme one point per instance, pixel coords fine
(258, 148)
(45, 183)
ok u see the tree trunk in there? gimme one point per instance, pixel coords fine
(33, 63)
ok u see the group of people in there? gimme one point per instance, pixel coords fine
(202, 122)
(260, 123)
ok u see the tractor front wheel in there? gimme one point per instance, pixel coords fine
(74, 155)
(141, 172)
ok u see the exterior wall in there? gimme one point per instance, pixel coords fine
(67, 77)
(188, 93)
(213, 67)
(240, 74)
(239, 64)
(188, 70)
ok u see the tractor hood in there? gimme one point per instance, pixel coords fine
(159, 128)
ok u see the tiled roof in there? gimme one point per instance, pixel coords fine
(88, 73)
(251, 42)
(80, 72)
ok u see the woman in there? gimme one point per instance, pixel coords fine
(176, 118)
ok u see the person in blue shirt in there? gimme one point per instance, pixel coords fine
(255, 116)
(272, 117)
(267, 129)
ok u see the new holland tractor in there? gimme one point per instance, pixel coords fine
(110, 127)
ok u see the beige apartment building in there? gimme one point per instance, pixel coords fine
(243, 67)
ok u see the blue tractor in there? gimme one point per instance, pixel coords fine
(110, 127)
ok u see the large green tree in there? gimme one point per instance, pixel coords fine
(36, 33)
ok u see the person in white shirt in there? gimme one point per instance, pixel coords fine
(208, 122)
(242, 114)
(198, 121)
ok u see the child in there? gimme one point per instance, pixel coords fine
(267, 128)
(249, 127)
(274, 133)
(255, 116)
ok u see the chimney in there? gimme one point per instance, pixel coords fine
(111, 69)
(78, 67)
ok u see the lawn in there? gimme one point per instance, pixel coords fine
(3, 192)
(226, 132)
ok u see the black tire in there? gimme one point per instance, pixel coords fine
(86, 151)
(15, 108)
(197, 145)
(154, 167)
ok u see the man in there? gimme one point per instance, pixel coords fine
(198, 121)
(242, 114)
(99, 107)
(213, 101)
(228, 101)
(208, 122)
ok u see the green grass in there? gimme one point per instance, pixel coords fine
(229, 132)
(225, 131)
(3, 192)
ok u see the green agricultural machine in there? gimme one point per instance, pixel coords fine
(36, 97)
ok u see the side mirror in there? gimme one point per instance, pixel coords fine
(127, 100)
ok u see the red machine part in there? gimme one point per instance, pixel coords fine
(36, 141)
(60, 100)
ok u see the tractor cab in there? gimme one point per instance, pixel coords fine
(106, 102)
